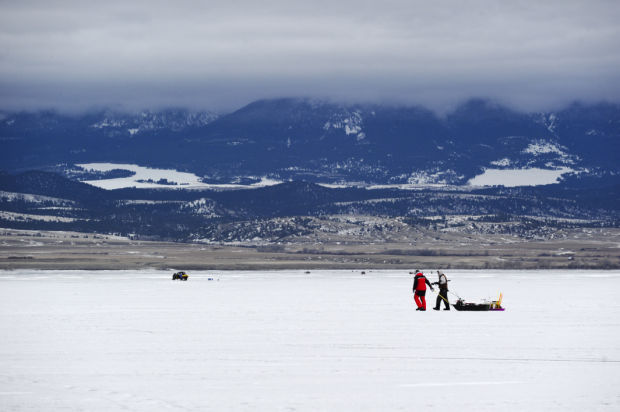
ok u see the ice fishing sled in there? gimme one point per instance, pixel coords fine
(479, 307)
(180, 276)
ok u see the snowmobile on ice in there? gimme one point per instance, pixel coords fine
(485, 306)
(180, 276)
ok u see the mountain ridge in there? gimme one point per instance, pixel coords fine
(323, 142)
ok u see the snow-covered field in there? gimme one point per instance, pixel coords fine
(289, 341)
(519, 177)
(147, 178)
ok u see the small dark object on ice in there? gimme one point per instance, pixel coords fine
(180, 276)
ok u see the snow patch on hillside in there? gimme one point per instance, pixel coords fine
(148, 121)
(108, 123)
(29, 198)
(21, 217)
(202, 206)
(350, 122)
(502, 162)
(424, 179)
(542, 147)
(550, 121)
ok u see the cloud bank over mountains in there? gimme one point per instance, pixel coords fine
(73, 55)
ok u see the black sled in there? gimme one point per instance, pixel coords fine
(495, 305)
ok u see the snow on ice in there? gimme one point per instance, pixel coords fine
(323, 341)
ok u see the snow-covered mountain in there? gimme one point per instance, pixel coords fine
(116, 123)
(301, 139)
(311, 171)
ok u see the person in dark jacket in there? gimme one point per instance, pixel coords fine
(443, 291)
(419, 289)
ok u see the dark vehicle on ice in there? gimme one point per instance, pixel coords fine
(180, 276)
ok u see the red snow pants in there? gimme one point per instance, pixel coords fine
(420, 300)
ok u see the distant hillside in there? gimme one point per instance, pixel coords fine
(297, 139)
(51, 184)
(292, 211)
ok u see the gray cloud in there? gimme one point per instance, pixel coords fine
(222, 54)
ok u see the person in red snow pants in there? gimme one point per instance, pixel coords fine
(419, 289)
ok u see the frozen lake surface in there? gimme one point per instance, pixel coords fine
(289, 341)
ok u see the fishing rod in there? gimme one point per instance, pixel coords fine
(445, 300)
(455, 294)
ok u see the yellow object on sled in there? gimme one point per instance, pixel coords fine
(497, 304)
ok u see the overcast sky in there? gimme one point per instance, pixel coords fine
(222, 54)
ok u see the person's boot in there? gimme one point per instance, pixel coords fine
(435, 308)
